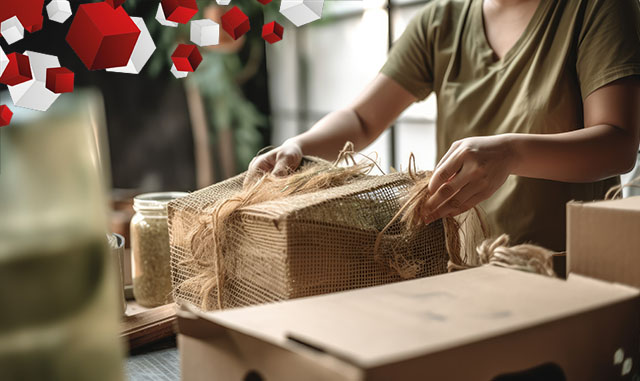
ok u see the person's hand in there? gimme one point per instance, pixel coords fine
(470, 172)
(280, 161)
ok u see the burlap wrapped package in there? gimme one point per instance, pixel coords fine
(303, 244)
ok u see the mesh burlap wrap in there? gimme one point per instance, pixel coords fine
(301, 245)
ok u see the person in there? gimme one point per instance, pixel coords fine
(538, 104)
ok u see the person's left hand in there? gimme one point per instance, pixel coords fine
(470, 172)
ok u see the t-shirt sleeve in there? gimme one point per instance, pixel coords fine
(608, 44)
(410, 62)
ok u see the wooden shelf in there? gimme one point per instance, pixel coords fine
(142, 326)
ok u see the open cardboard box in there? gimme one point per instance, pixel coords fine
(470, 325)
(603, 240)
(479, 324)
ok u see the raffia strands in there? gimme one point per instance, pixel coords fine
(616, 191)
(524, 257)
(314, 175)
(463, 232)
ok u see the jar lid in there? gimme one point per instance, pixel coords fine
(155, 201)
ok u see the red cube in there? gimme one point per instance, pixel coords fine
(17, 71)
(60, 80)
(101, 36)
(272, 32)
(180, 11)
(235, 23)
(36, 26)
(29, 12)
(186, 57)
(115, 3)
(5, 115)
(264, 2)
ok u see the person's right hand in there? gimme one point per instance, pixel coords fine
(280, 161)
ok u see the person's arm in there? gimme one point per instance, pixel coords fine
(474, 168)
(361, 123)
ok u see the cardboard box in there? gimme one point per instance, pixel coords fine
(470, 325)
(603, 240)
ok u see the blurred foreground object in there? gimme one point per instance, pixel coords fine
(59, 318)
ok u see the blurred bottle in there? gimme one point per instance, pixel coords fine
(59, 310)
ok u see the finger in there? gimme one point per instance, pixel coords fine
(285, 164)
(448, 189)
(458, 203)
(450, 151)
(442, 174)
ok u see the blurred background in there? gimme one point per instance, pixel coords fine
(166, 134)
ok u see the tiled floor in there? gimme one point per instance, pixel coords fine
(161, 365)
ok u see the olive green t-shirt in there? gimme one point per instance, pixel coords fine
(569, 49)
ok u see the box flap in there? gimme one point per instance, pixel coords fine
(631, 204)
(379, 325)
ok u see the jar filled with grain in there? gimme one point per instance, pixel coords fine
(150, 249)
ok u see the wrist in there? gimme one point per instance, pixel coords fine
(295, 143)
(514, 144)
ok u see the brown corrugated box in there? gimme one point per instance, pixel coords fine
(603, 240)
(470, 325)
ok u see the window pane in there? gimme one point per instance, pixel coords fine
(342, 57)
(419, 138)
(282, 67)
(284, 127)
(382, 147)
(343, 7)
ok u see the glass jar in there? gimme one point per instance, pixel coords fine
(150, 249)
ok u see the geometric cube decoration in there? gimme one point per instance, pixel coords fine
(163, 20)
(272, 32)
(141, 53)
(60, 80)
(177, 73)
(36, 27)
(223, 2)
(115, 3)
(101, 36)
(34, 94)
(180, 11)
(264, 2)
(4, 61)
(59, 10)
(186, 57)
(12, 30)
(5, 115)
(29, 12)
(301, 12)
(235, 23)
(205, 32)
(17, 71)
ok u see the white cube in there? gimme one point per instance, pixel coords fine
(34, 94)
(223, 2)
(59, 10)
(4, 61)
(12, 30)
(205, 32)
(162, 19)
(141, 52)
(301, 12)
(178, 74)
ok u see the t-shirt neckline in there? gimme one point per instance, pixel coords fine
(520, 42)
